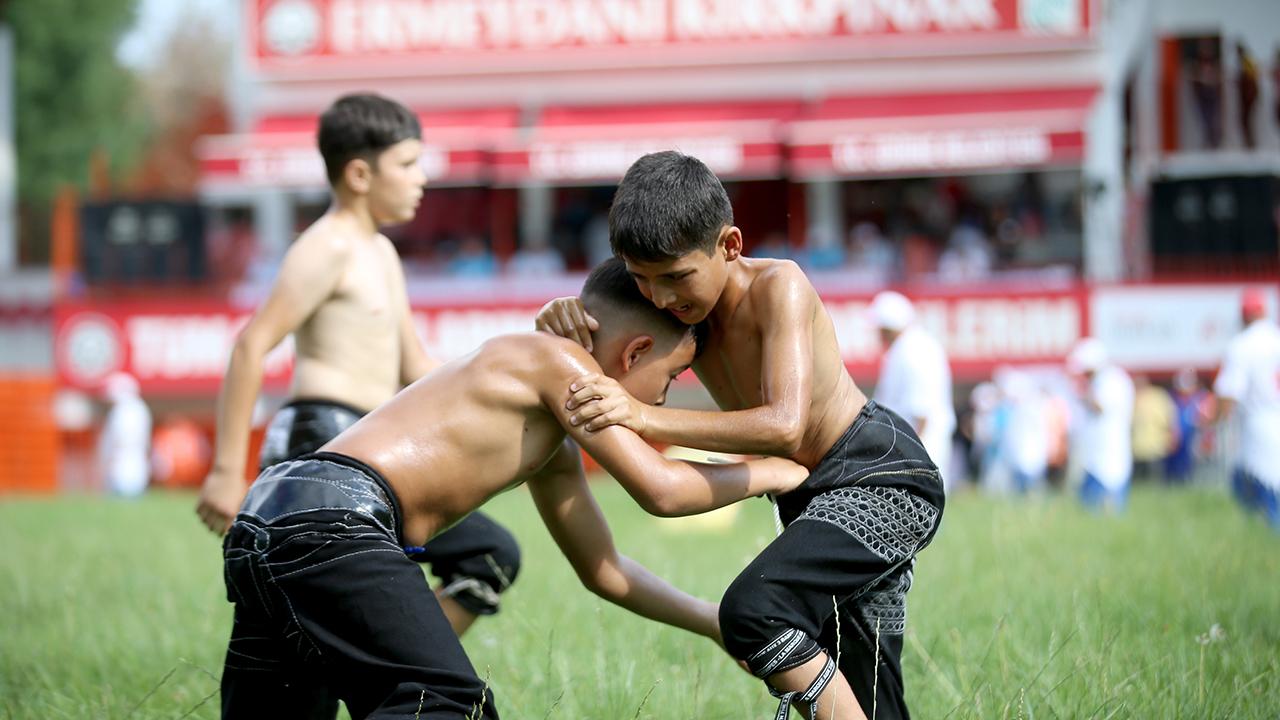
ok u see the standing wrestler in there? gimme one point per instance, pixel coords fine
(341, 292)
(831, 589)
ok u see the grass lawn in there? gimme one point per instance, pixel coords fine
(1035, 609)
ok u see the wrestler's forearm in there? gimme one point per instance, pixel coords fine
(674, 488)
(645, 594)
(764, 430)
(235, 408)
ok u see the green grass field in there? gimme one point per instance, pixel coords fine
(112, 609)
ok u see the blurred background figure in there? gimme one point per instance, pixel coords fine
(473, 259)
(1249, 385)
(1246, 92)
(915, 377)
(978, 428)
(1206, 88)
(124, 444)
(536, 257)
(1104, 438)
(871, 257)
(968, 256)
(1155, 429)
(1026, 432)
(1194, 406)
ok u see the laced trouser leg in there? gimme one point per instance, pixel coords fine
(810, 694)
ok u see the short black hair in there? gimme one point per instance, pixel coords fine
(667, 205)
(362, 126)
(610, 292)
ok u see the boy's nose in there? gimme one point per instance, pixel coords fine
(663, 299)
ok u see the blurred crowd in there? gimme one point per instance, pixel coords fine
(1088, 425)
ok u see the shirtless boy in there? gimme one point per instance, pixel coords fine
(842, 566)
(326, 601)
(341, 292)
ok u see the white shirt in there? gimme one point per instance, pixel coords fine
(123, 447)
(1250, 376)
(915, 382)
(1026, 436)
(1107, 452)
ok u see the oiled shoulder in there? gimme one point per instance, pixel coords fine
(781, 290)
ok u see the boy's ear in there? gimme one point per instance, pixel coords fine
(636, 349)
(730, 243)
(358, 175)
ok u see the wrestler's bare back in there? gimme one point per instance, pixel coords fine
(348, 349)
(466, 431)
(733, 361)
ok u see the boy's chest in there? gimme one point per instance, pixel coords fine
(369, 287)
(731, 366)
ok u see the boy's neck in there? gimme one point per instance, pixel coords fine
(736, 283)
(355, 211)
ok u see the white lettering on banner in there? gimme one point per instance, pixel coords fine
(397, 26)
(940, 150)
(611, 158)
(1011, 328)
(191, 347)
(972, 330)
(1165, 327)
(305, 166)
(448, 334)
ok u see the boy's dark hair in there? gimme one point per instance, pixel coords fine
(667, 205)
(610, 292)
(362, 126)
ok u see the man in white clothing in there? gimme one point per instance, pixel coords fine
(125, 442)
(915, 377)
(1105, 444)
(1249, 384)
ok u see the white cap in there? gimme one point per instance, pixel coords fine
(892, 311)
(1088, 355)
(119, 385)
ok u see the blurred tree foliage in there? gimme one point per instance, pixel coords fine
(72, 98)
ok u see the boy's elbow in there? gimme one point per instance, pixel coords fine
(790, 437)
(665, 505)
(604, 584)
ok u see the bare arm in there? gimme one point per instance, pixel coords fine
(776, 427)
(663, 486)
(309, 273)
(579, 529)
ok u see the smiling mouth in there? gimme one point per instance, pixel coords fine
(682, 310)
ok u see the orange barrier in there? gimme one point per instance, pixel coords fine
(29, 440)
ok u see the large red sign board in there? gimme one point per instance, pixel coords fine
(300, 37)
(182, 347)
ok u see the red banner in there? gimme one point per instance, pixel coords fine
(182, 347)
(298, 37)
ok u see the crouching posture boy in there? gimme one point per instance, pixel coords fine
(328, 604)
(841, 568)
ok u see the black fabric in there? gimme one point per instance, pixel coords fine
(476, 559)
(301, 427)
(328, 607)
(836, 578)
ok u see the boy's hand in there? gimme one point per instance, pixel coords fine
(567, 318)
(600, 401)
(220, 500)
(786, 475)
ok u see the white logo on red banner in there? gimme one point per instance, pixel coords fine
(291, 27)
(91, 348)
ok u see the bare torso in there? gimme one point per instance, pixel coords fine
(731, 367)
(348, 350)
(463, 433)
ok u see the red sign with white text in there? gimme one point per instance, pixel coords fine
(182, 348)
(301, 37)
